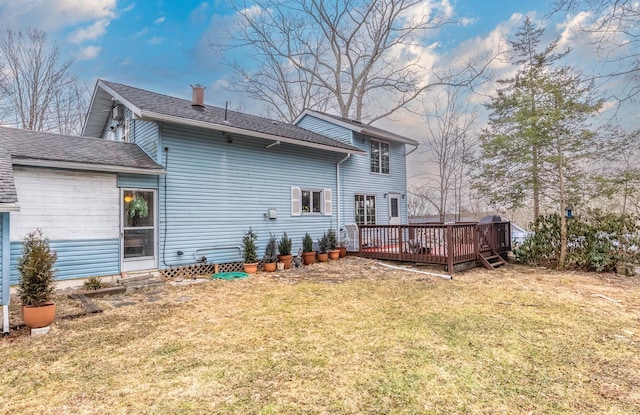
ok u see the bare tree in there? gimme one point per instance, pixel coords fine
(614, 26)
(38, 91)
(355, 57)
(448, 147)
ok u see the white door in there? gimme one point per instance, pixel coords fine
(394, 209)
(394, 215)
(138, 232)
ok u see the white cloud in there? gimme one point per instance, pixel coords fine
(88, 53)
(91, 32)
(160, 20)
(50, 15)
(142, 32)
(155, 40)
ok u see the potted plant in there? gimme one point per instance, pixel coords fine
(308, 254)
(332, 244)
(284, 247)
(342, 243)
(323, 247)
(137, 209)
(270, 256)
(249, 252)
(37, 280)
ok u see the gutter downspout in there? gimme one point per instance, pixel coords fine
(414, 149)
(338, 187)
(4, 283)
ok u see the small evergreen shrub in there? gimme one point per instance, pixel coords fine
(36, 270)
(249, 250)
(284, 246)
(332, 240)
(307, 243)
(270, 250)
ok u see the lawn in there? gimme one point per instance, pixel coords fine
(349, 337)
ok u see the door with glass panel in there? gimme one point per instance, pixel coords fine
(138, 232)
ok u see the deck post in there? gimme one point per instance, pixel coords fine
(450, 249)
(400, 244)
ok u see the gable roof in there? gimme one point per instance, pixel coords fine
(41, 149)
(152, 106)
(357, 127)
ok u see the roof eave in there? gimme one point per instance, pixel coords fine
(394, 138)
(68, 165)
(9, 207)
(154, 116)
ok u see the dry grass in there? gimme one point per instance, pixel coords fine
(344, 338)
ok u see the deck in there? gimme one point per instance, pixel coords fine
(440, 244)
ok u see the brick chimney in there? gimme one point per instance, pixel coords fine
(197, 97)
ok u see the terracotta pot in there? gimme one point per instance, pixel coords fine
(334, 254)
(286, 260)
(269, 266)
(323, 257)
(309, 257)
(37, 317)
(343, 251)
(251, 268)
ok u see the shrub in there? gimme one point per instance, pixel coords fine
(332, 239)
(323, 244)
(93, 283)
(284, 246)
(36, 270)
(307, 243)
(270, 250)
(595, 241)
(249, 250)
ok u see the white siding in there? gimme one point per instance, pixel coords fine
(66, 205)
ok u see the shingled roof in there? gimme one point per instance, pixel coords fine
(153, 106)
(358, 127)
(34, 148)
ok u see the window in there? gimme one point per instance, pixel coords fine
(379, 157)
(365, 209)
(311, 201)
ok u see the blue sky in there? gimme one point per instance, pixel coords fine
(163, 45)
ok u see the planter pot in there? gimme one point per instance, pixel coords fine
(286, 260)
(251, 268)
(323, 257)
(269, 266)
(343, 251)
(334, 254)
(309, 257)
(37, 317)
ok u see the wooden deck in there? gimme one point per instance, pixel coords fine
(440, 244)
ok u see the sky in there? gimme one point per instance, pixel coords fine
(164, 45)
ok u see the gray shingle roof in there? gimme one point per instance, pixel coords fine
(151, 102)
(367, 128)
(16, 145)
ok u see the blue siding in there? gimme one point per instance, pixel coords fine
(145, 135)
(5, 258)
(217, 190)
(77, 259)
(326, 128)
(356, 178)
(136, 181)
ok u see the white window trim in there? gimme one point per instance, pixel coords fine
(326, 202)
(380, 142)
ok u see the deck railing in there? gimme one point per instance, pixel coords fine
(446, 244)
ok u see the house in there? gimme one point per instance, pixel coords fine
(202, 175)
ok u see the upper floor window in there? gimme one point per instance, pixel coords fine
(379, 157)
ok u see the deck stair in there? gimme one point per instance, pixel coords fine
(491, 259)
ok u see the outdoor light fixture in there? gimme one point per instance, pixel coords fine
(385, 195)
(128, 198)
